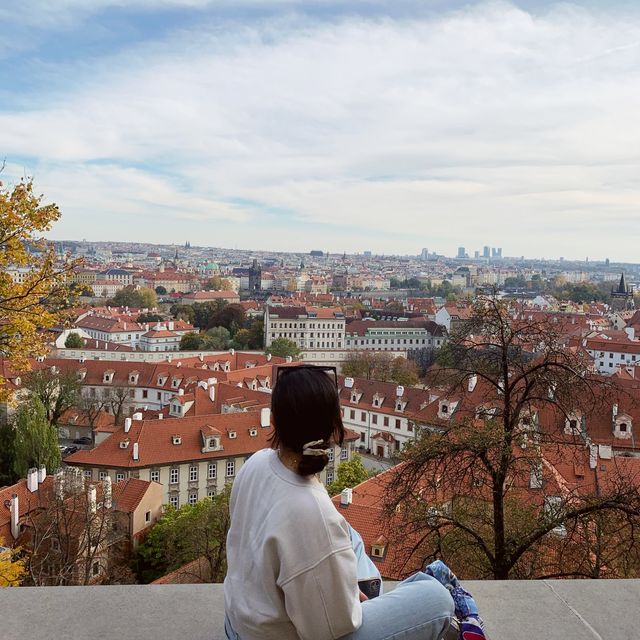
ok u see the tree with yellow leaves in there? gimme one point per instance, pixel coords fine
(12, 567)
(31, 303)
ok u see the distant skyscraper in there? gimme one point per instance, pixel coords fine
(486, 253)
(476, 255)
(425, 254)
(499, 252)
(461, 252)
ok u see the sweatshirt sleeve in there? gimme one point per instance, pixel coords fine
(323, 602)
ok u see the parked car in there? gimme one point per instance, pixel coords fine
(83, 440)
(67, 451)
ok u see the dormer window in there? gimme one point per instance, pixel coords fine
(232, 435)
(573, 425)
(378, 400)
(175, 383)
(124, 443)
(622, 427)
(176, 440)
(253, 432)
(107, 377)
(400, 405)
(161, 381)
(133, 377)
(379, 548)
(82, 374)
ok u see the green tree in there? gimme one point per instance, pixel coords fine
(185, 534)
(74, 341)
(7, 454)
(191, 341)
(230, 315)
(256, 329)
(183, 312)
(371, 365)
(161, 291)
(349, 474)
(241, 339)
(149, 317)
(283, 347)
(135, 298)
(213, 284)
(36, 441)
(217, 339)
(57, 391)
(404, 372)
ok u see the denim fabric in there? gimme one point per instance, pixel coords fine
(419, 608)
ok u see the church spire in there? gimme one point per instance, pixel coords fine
(622, 287)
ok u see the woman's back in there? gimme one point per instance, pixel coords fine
(292, 571)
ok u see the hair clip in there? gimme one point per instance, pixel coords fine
(309, 449)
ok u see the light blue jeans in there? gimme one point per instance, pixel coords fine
(419, 608)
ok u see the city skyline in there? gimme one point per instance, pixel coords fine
(304, 125)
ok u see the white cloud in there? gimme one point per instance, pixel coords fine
(489, 122)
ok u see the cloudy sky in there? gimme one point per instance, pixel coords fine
(317, 124)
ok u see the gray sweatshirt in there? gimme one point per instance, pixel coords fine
(291, 569)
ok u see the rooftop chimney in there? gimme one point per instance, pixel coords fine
(160, 416)
(346, 497)
(106, 489)
(91, 498)
(180, 392)
(42, 474)
(135, 451)
(348, 383)
(127, 425)
(171, 325)
(399, 391)
(265, 417)
(15, 516)
(137, 416)
(59, 484)
(631, 333)
(473, 381)
(268, 357)
(32, 479)
(212, 393)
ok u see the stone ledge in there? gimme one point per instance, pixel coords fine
(553, 610)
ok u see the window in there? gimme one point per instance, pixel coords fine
(87, 474)
(344, 453)
(231, 468)
(398, 422)
(362, 436)
(145, 393)
(363, 416)
(374, 419)
(155, 476)
(173, 476)
(193, 473)
(119, 477)
(330, 455)
(193, 497)
(385, 421)
(158, 396)
(147, 516)
(622, 427)
(95, 568)
(329, 477)
(211, 492)
(352, 414)
(173, 501)
(102, 475)
(409, 426)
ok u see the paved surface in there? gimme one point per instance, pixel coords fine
(549, 610)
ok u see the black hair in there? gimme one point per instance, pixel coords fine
(305, 406)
